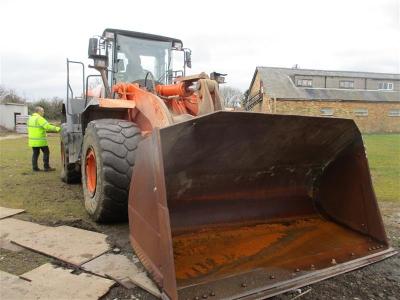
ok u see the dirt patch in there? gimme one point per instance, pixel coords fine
(391, 217)
(20, 262)
(5, 132)
(377, 281)
(122, 293)
(77, 223)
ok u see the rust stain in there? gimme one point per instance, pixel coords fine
(216, 252)
(201, 252)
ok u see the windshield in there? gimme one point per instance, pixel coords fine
(136, 57)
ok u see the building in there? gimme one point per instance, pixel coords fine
(9, 113)
(371, 99)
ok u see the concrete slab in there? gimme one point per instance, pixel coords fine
(50, 282)
(125, 282)
(14, 288)
(7, 212)
(11, 229)
(122, 270)
(143, 281)
(6, 244)
(117, 266)
(72, 245)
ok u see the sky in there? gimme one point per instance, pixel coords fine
(232, 37)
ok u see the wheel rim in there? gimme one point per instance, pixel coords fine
(91, 171)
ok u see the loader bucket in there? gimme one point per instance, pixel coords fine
(239, 205)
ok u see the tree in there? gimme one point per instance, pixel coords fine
(232, 96)
(52, 107)
(9, 96)
(244, 98)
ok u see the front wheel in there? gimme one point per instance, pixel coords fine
(108, 156)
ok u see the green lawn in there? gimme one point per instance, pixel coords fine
(47, 199)
(42, 194)
(383, 151)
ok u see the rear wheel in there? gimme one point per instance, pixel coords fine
(108, 156)
(69, 171)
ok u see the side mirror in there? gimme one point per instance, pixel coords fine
(93, 47)
(188, 58)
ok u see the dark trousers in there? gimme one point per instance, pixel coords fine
(35, 156)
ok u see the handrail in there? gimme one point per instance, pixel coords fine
(69, 88)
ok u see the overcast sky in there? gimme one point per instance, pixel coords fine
(230, 37)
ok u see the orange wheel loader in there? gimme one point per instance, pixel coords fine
(226, 205)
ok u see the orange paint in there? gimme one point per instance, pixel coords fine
(113, 103)
(178, 89)
(125, 91)
(91, 171)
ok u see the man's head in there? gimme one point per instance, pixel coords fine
(39, 110)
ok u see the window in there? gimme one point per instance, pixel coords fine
(137, 57)
(394, 112)
(304, 82)
(385, 86)
(361, 112)
(327, 111)
(346, 84)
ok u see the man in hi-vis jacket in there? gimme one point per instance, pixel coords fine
(37, 128)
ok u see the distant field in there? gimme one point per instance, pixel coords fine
(47, 199)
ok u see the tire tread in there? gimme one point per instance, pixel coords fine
(118, 140)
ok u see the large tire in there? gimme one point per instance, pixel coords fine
(70, 172)
(108, 156)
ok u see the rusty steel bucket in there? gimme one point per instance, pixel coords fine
(239, 205)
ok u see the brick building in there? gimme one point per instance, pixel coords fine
(371, 99)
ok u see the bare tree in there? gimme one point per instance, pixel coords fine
(232, 96)
(9, 96)
(52, 107)
(2, 91)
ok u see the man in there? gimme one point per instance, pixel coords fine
(134, 70)
(37, 128)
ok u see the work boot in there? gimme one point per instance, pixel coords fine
(36, 170)
(49, 169)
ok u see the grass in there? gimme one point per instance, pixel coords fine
(42, 194)
(47, 199)
(383, 152)
(22, 261)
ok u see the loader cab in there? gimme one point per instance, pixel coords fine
(128, 56)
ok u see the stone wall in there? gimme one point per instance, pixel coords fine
(376, 120)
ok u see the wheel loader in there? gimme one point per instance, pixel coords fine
(221, 204)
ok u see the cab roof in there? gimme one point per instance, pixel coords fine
(141, 35)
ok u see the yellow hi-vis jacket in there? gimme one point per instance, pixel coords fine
(37, 128)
